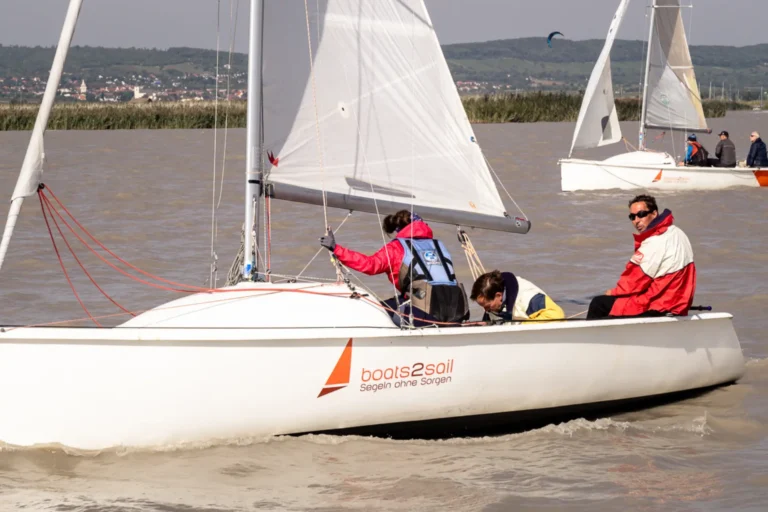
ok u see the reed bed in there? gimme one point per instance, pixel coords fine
(554, 107)
(499, 108)
(127, 116)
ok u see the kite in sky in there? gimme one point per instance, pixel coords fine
(549, 38)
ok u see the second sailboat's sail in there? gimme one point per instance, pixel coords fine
(673, 98)
(374, 116)
(598, 122)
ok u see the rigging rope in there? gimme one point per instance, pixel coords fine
(216, 203)
(476, 267)
(488, 162)
(214, 257)
(61, 262)
(49, 208)
(317, 115)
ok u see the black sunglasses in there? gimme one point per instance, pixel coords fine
(640, 215)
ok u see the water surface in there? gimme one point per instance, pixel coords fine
(147, 195)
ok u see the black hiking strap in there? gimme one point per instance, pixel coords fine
(417, 258)
(443, 260)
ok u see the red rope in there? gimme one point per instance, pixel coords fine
(64, 238)
(269, 233)
(191, 288)
(115, 267)
(61, 262)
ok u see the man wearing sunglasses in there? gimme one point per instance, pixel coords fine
(660, 278)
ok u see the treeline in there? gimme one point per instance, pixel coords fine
(503, 108)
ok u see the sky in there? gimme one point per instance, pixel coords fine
(166, 23)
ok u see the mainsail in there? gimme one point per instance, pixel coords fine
(598, 123)
(374, 119)
(672, 100)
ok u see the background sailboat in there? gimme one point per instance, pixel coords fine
(671, 102)
(353, 105)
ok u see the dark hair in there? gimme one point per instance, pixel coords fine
(649, 201)
(488, 285)
(396, 222)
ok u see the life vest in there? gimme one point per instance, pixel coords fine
(427, 276)
(699, 155)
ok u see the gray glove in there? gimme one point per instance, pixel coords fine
(328, 241)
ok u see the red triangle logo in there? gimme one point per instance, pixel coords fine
(339, 378)
(658, 176)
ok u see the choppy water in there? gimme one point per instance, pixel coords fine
(147, 196)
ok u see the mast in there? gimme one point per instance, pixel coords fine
(32, 168)
(644, 106)
(253, 161)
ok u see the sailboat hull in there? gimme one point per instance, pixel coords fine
(101, 388)
(644, 170)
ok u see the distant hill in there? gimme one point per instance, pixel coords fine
(514, 62)
(91, 61)
(571, 62)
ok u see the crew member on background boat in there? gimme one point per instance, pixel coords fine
(505, 296)
(725, 152)
(419, 266)
(660, 277)
(695, 154)
(757, 153)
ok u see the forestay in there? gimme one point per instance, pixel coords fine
(598, 122)
(381, 120)
(673, 98)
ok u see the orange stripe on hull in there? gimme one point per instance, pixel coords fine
(762, 178)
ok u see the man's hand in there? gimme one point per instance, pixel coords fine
(328, 241)
(608, 292)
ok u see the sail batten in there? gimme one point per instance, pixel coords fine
(598, 121)
(383, 104)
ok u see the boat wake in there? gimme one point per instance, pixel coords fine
(698, 425)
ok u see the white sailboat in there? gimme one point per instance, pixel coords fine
(368, 119)
(671, 102)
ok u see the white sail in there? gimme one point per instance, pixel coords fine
(598, 123)
(32, 167)
(673, 98)
(384, 106)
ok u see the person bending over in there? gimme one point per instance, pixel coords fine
(505, 296)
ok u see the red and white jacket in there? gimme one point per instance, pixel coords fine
(661, 275)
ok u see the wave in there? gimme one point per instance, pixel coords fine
(697, 426)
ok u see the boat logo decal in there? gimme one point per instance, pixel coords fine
(417, 374)
(431, 257)
(658, 176)
(339, 378)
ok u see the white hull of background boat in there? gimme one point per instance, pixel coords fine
(649, 170)
(152, 382)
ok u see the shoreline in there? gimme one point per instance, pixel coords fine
(486, 109)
